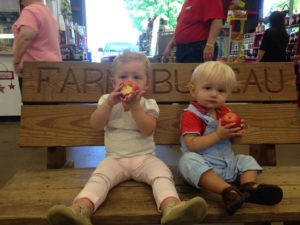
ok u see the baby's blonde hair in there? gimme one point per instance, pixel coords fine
(128, 56)
(215, 71)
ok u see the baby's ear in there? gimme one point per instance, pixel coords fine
(192, 89)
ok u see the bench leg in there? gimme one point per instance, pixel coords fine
(264, 154)
(56, 157)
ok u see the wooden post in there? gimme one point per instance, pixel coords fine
(56, 157)
(264, 154)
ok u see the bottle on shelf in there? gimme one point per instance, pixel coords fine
(287, 20)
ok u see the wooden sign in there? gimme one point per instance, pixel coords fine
(86, 82)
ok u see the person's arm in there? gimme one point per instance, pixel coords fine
(26, 36)
(145, 122)
(260, 54)
(100, 116)
(264, 46)
(168, 48)
(214, 31)
(195, 142)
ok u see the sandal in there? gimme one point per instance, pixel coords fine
(233, 199)
(265, 194)
(63, 215)
(188, 212)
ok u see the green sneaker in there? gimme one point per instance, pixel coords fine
(188, 212)
(63, 215)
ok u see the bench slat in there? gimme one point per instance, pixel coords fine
(35, 191)
(76, 178)
(85, 82)
(68, 125)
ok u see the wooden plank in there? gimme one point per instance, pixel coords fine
(76, 178)
(85, 82)
(68, 125)
(34, 192)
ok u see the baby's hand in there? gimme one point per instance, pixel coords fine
(239, 135)
(132, 100)
(114, 97)
(229, 130)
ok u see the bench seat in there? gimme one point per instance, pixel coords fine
(59, 98)
(30, 194)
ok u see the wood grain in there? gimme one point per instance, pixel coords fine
(68, 125)
(34, 192)
(85, 82)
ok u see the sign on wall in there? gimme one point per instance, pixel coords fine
(10, 96)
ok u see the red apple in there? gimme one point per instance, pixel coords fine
(128, 87)
(231, 117)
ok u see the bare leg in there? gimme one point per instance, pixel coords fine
(233, 199)
(168, 203)
(211, 181)
(83, 202)
(248, 176)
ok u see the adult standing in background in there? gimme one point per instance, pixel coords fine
(198, 26)
(36, 35)
(274, 40)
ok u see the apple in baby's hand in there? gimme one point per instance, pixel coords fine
(128, 87)
(231, 117)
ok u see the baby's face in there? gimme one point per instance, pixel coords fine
(132, 71)
(210, 94)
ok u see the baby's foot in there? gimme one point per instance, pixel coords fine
(187, 212)
(265, 194)
(233, 199)
(63, 215)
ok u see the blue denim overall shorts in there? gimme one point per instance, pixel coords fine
(218, 157)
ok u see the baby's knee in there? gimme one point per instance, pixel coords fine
(100, 178)
(191, 167)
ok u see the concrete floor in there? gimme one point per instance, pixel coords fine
(14, 158)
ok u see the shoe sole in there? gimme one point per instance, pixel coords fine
(62, 215)
(192, 212)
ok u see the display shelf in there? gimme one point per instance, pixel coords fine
(6, 37)
(293, 26)
(293, 45)
(237, 37)
(224, 43)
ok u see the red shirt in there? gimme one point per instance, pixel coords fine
(193, 22)
(191, 123)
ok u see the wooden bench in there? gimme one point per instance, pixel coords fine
(59, 98)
